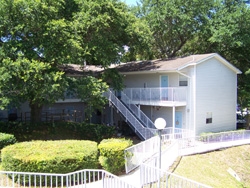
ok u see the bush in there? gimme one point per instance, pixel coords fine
(95, 132)
(86, 131)
(50, 156)
(6, 139)
(57, 131)
(22, 131)
(112, 154)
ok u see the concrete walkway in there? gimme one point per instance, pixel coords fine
(170, 156)
(132, 178)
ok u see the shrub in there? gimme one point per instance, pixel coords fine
(112, 154)
(95, 132)
(50, 156)
(22, 131)
(6, 139)
(25, 131)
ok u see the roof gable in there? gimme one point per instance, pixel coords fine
(210, 56)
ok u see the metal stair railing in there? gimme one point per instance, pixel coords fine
(141, 116)
(143, 132)
(137, 111)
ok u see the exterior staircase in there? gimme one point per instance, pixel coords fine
(137, 111)
(131, 115)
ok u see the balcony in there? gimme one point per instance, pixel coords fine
(170, 96)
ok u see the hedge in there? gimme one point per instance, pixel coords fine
(6, 139)
(25, 131)
(50, 156)
(112, 154)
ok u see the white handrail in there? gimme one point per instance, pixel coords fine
(137, 111)
(140, 130)
(83, 178)
(151, 177)
(157, 94)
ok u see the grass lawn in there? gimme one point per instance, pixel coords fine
(212, 168)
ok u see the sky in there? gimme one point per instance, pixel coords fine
(130, 2)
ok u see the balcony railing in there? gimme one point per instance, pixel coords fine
(178, 94)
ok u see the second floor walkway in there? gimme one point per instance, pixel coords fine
(170, 96)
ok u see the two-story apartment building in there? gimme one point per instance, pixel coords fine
(198, 92)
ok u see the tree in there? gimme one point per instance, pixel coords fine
(195, 26)
(35, 79)
(37, 37)
(227, 32)
(34, 37)
(231, 37)
(174, 23)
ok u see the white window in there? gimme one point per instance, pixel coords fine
(183, 80)
(209, 118)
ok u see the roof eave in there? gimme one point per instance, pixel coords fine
(147, 72)
(217, 56)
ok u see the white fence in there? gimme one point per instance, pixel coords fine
(146, 154)
(213, 141)
(147, 150)
(150, 175)
(139, 153)
(80, 179)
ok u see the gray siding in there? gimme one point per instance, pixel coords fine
(151, 80)
(216, 88)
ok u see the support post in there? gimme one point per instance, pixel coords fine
(173, 131)
(159, 165)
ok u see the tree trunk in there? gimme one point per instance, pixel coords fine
(35, 113)
(248, 121)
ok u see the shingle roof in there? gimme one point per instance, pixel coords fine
(74, 69)
(160, 65)
(173, 64)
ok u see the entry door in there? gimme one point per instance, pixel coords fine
(178, 120)
(164, 85)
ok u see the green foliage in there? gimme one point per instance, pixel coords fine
(113, 78)
(37, 37)
(90, 90)
(34, 81)
(173, 23)
(6, 139)
(87, 131)
(22, 131)
(50, 156)
(227, 32)
(57, 131)
(97, 132)
(105, 27)
(112, 154)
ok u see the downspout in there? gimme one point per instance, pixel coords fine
(194, 99)
(173, 122)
